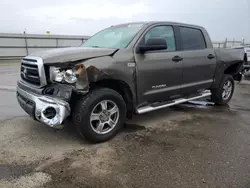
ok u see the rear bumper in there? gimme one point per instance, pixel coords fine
(246, 66)
(37, 107)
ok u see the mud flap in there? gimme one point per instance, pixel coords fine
(238, 77)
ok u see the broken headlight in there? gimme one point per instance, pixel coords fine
(68, 76)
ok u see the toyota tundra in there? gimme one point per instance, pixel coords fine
(126, 69)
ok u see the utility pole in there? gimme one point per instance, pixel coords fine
(225, 44)
(26, 42)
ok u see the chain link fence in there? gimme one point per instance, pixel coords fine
(15, 46)
(230, 43)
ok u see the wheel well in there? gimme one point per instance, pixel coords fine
(233, 69)
(119, 86)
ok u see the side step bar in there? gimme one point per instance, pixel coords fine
(149, 108)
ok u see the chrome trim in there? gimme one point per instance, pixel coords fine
(149, 108)
(33, 76)
(28, 67)
(61, 107)
(41, 71)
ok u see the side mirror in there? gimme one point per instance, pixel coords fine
(152, 44)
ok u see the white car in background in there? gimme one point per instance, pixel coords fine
(247, 51)
(246, 57)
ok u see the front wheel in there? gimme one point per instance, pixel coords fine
(223, 94)
(99, 115)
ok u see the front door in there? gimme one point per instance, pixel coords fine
(158, 76)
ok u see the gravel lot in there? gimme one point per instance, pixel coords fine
(180, 147)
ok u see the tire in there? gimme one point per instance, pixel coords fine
(85, 114)
(217, 94)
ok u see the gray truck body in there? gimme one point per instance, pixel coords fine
(143, 79)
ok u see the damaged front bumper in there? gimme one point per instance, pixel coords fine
(48, 110)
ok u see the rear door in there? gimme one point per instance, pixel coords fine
(158, 77)
(199, 62)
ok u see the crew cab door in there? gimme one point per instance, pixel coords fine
(199, 61)
(158, 72)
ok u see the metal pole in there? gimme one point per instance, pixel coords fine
(225, 43)
(26, 44)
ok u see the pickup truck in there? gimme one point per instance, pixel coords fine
(123, 70)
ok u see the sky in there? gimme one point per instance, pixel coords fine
(222, 18)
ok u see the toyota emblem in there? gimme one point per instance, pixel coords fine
(24, 72)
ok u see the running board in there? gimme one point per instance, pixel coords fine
(150, 108)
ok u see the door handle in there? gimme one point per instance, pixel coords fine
(177, 59)
(210, 56)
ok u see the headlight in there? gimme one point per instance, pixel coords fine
(59, 76)
(68, 76)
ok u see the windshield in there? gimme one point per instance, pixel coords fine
(113, 37)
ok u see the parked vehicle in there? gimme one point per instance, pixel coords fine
(247, 52)
(126, 69)
(246, 64)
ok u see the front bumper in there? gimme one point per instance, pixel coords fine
(38, 106)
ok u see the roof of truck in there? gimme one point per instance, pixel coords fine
(159, 22)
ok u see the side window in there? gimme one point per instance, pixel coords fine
(165, 32)
(192, 39)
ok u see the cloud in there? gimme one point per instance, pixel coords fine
(222, 18)
(89, 11)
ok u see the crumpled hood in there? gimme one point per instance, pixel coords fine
(71, 54)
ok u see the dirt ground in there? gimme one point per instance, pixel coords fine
(186, 146)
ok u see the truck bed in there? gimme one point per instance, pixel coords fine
(230, 55)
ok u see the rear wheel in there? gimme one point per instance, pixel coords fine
(99, 115)
(224, 93)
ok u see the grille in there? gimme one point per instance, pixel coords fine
(30, 72)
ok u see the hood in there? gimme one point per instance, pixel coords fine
(72, 54)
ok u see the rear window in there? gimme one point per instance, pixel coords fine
(192, 39)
